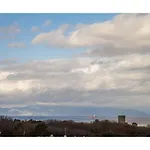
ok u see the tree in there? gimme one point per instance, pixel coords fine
(96, 121)
(148, 126)
(40, 129)
(6, 126)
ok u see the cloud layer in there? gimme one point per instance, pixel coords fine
(105, 81)
(92, 79)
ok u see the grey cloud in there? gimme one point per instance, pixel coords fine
(111, 51)
(10, 31)
(103, 81)
(116, 98)
(8, 61)
(17, 45)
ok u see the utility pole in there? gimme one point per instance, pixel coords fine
(42, 134)
(65, 133)
(24, 133)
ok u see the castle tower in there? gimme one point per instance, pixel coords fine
(121, 119)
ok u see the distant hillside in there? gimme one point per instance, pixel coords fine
(72, 111)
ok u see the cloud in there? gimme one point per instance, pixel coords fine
(17, 45)
(8, 61)
(103, 81)
(93, 73)
(35, 29)
(123, 32)
(121, 80)
(47, 23)
(19, 112)
(10, 31)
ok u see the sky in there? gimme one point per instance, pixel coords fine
(57, 64)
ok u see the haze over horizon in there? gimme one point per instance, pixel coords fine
(54, 64)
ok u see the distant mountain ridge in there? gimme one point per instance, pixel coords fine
(36, 110)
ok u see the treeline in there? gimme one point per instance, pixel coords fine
(33, 128)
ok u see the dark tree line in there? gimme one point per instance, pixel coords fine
(32, 128)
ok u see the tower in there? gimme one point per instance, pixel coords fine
(121, 118)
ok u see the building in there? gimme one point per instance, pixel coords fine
(122, 119)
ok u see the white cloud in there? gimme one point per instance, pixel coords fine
(20, 112)
(16, 45)
(98, 73)
(77, 81)
(35, 29)
(121, 80)
(125, 31)
(47, 23)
